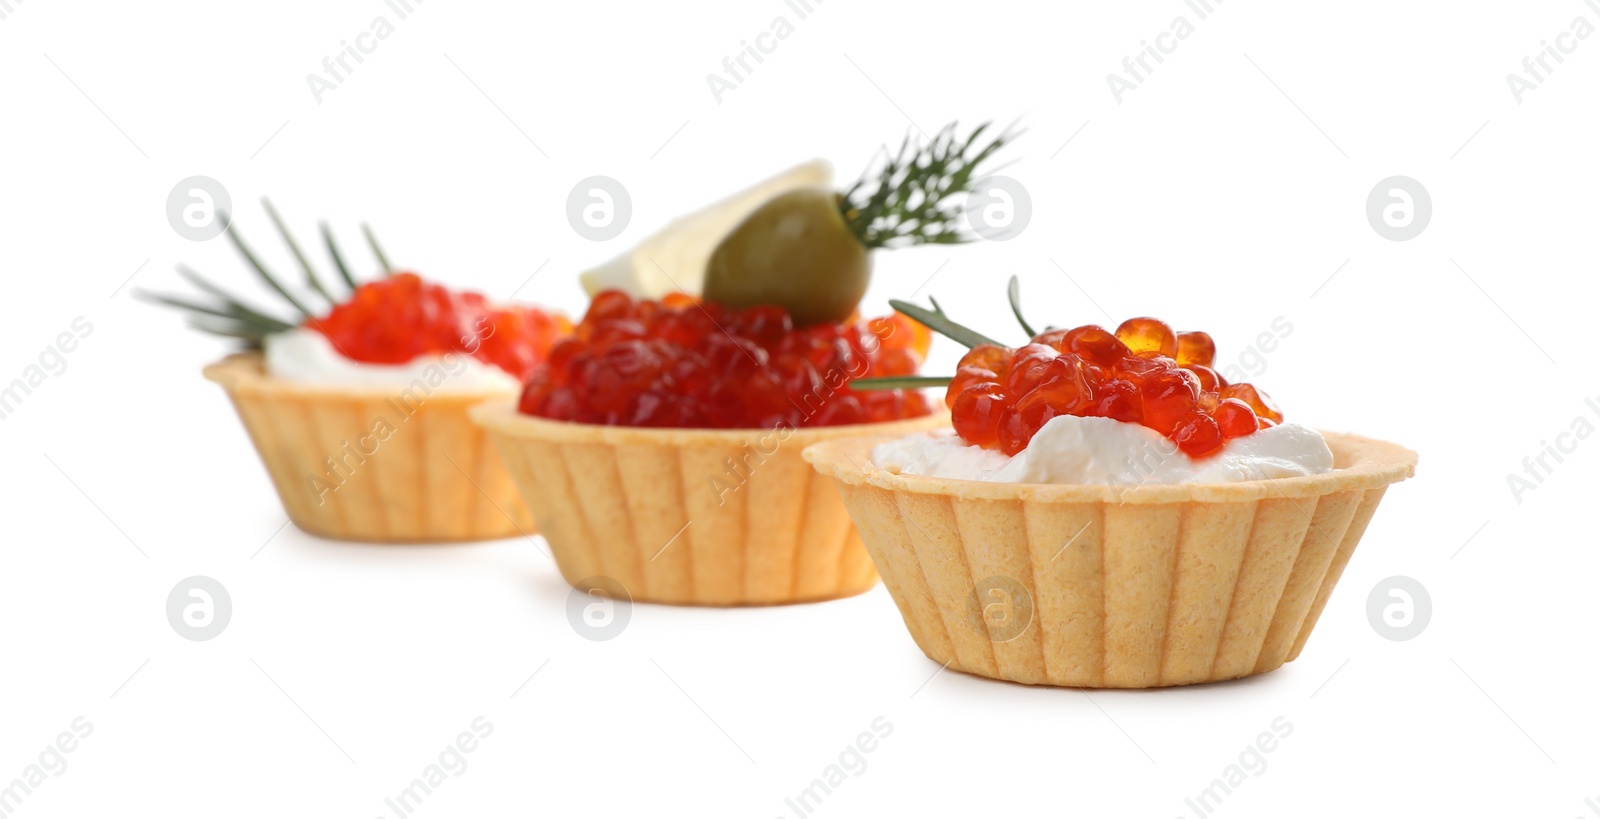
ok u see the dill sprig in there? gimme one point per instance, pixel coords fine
(913, 198)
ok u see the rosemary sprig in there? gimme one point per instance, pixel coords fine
(1014, 295)
(909, 200)
(338, 258)
(243, 332)
(261, 270)
(233, 303)
(900, 382)
(377, 250)
(225, 314)
(232, 311)
(937, 321)
(299, 255)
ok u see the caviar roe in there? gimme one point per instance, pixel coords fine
(687, 364)
(1144, 373)
(399, 318)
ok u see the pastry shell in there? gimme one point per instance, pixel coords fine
(689, 516)
(375, 463)
(1107, 586)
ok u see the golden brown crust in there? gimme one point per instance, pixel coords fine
(685, 516)
(426, 474)
(1101, 587)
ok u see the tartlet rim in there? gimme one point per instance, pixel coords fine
(1363, 463)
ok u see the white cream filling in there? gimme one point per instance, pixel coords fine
(1073, 450)
(307, 356)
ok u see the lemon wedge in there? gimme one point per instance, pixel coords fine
(674, 258)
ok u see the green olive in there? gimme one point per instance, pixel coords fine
(795, 252)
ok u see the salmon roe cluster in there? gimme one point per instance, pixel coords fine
(1144, 373)
(683, 363)
(399, 318)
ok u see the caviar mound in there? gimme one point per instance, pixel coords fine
(1144, 373)
(401, 317)
(681, 363)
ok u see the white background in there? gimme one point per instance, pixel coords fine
(1227, 190)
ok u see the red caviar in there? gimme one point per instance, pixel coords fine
(401, 317)
(683, 363)
(1143, 374)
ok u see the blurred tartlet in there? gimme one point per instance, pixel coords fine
(358, 408)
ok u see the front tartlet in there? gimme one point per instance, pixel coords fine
(1099, 586)
(359, 409)
(1115, 582)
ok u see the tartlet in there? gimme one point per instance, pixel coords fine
(669, 462)
(1126, 587)
(1093, 564)
(358, 408)
(662, 513)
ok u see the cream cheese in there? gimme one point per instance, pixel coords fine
(307, 356)
(1073, 450)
